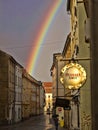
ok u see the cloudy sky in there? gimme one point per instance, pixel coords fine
(19, 23)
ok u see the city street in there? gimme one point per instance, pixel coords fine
(41, 122)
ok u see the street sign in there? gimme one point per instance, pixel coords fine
(60, 112)
(73, 76)
(59, 109)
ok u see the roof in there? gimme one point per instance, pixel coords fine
(48, 87)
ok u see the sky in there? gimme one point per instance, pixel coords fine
(20, 22)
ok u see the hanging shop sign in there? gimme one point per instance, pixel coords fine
(73, 76)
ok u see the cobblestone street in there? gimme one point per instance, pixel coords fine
(41, 122)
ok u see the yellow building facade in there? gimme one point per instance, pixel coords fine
(81, 52)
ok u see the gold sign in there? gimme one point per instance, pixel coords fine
(73, 76)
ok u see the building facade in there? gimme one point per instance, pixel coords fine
(57, 90)
(48, 96)
(80, 52)
(21, 95)
(77, 50)
(7, 85)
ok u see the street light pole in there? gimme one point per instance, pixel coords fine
(57, 77)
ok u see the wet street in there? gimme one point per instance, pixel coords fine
(41, 122)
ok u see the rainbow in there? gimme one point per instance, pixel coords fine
(50, 15)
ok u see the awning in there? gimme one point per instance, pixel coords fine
(65, 103)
